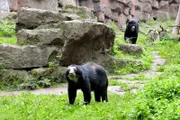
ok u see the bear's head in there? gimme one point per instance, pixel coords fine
(71, 73)
(132, 25)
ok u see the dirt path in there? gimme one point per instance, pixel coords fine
(126, 80)
(129, 79)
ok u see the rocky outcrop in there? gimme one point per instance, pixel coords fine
(46, 46)
(79, 41)
(68, 42)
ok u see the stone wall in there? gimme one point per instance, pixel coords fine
(41, 4)
(109, 10)
(119, 10)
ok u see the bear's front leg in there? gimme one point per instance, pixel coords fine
(71, 93)
(86, 93)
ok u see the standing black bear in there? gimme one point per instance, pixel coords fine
(88, 77)
(131, 32)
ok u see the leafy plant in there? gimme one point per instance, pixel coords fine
(7, 28)
(44, 82)
(53, 65)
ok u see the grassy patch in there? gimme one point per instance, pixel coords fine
(28, 106)
(8, 40)
(7, 32)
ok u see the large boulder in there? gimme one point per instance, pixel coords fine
(40, 37)
(24, 57)
(30, 18)
(79, 41)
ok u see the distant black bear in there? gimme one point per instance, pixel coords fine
(88, 77)
(131, 32)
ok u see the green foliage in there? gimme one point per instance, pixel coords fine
(1, 67)
(10, 83)
(7, 32)
(30, 83)
(44, 82)
(7, 28)
(53, 65)
(159, 99)
(113, 26)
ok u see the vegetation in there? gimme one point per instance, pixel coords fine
(7, 32)
(159, 100)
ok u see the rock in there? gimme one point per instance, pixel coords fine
(161, 14)
(146, 1)
(131, 49)
(51, 5)
(40, 37)
(112, 65)
(30, 18)
(56, 74)
(173, 9)
(10, 75)
(78, 13)
(100, 16)
(68, 2)
(78, 41)
(155, 4)
(84, 40)
(146, 7)
(24, 57)
(97, 7)
(87, 3)
(142, 15)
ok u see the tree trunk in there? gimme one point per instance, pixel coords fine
(177, 23)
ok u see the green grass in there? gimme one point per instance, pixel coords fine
(51, 107)
(8, 40)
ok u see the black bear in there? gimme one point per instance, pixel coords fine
(131, 32)
(88, 77)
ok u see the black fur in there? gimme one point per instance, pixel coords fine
(91, 77)
(131, 35)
